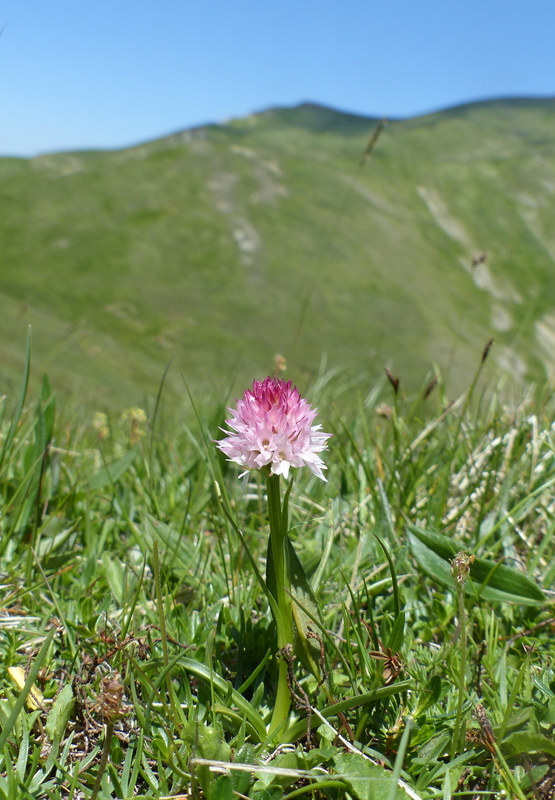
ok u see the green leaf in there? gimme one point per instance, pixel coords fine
(241, 780)
(111, 472)
(488, 579)
(305, 611)
(395, 638)
(59, 714)
(208, 743)
(364, 779)
(519, 743)
(246, 710)
(272, 793)
(48, 404)
(356, 701)
(222, 788)
(429, 696)
(115, 575)
(390, 561)
(283, 761)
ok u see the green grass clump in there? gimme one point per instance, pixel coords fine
(137, 647)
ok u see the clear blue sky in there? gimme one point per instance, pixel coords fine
(110, 73)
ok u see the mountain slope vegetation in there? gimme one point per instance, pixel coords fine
(218, 247)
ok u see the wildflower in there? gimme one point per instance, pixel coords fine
(271, 430)
(272, 427)
(100, 424)
(280, 364)
(137, 418)
(135, 414)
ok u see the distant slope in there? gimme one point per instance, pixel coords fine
(220, 246)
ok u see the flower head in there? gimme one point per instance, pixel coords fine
(271, 426)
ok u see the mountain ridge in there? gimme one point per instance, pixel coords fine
(222, 245)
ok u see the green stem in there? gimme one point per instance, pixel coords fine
(280, 584)
(103, 759)
(283, 701)
(162, 621)
(509, 778)
(458, 732)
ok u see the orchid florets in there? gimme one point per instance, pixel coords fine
(272, 427)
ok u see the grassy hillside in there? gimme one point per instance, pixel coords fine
(218, 247)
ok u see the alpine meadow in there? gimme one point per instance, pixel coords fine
(221, 246)
(277, 461)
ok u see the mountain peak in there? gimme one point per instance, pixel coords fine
(315, 118)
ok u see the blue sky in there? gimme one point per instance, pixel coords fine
(109, 73)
